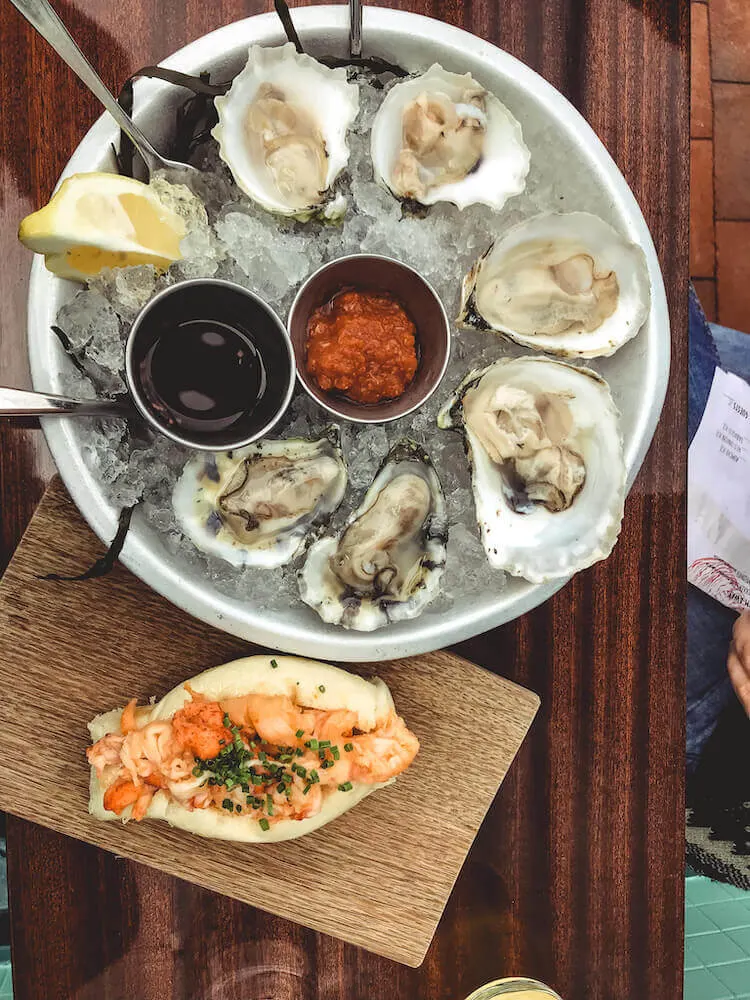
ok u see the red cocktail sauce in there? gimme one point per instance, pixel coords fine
(363, 345)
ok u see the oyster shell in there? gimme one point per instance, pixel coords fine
(441, 136)
(386, 563)
(255, 506)
(547, 465)
(564, 283)
(282, 131)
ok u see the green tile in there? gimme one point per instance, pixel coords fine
(742, 937)
(731, 913)
(700, 984)
(703, 890)
(736, 977)
(698, 922)
(691, 959)
(716, 949)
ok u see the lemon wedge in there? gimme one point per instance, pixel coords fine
(100, 220)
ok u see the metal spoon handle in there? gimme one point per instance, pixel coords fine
(355, 27)
(41, 16)
(22, 403)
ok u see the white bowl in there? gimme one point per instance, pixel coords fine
(638, 373)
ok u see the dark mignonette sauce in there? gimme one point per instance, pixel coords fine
(210, 362)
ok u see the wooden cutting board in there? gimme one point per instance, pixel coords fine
(378, 877)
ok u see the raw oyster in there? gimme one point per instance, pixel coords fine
(386, 563)
(442, 137)
(547, 464)
(282, 131)
(567, 284)
(256, 506)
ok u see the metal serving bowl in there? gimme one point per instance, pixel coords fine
(585, 175)
(375, 273)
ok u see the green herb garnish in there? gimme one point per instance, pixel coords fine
(269, 805)
(264, 824)
(348, 747)
(322, 688)
(346, 787)
(274, 664)
(300, 733)
(228, 804)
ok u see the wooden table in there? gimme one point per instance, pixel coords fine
(576, 877)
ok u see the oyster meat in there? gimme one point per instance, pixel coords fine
(567, 284)
(386, 563)
(257, 505)
(547, 464)
(282, 131)
(442, 137)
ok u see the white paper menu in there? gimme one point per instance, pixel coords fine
(719, 494)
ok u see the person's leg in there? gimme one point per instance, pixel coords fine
(709, 624)
(703, 362)
(709, 691)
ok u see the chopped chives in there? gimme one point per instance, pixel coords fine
(269, 805)
(348, 747)
(197, 772)
(323, 744)
(257, 779)
(300, 733)
(335, 752)
(346, 787)
(228, 804)
(226, 720)
(264, 824)
(280, 787)
(274, 664)
(262, 757)
(314, 776)
(322, 688)
(307, 788)
(238, 808)
(249, 799)
(298, 753)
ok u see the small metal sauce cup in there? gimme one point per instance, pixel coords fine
(374, 273)
(215, 300)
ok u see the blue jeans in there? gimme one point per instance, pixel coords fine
(709, 624)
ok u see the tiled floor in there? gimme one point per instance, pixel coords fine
(720, 159)
(717, 941)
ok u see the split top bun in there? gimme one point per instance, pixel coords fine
(260, 749)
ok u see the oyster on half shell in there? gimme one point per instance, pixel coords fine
(564, 283)
(256, 506)
(441, 136)
(547, 465)
(282, 131)
(386, 563)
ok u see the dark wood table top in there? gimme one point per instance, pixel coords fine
(577, 875)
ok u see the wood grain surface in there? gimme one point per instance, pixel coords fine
(378, 877)
(576, 877)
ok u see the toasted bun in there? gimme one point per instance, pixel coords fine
(302, 680)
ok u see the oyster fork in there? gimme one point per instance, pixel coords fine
(41, 15)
